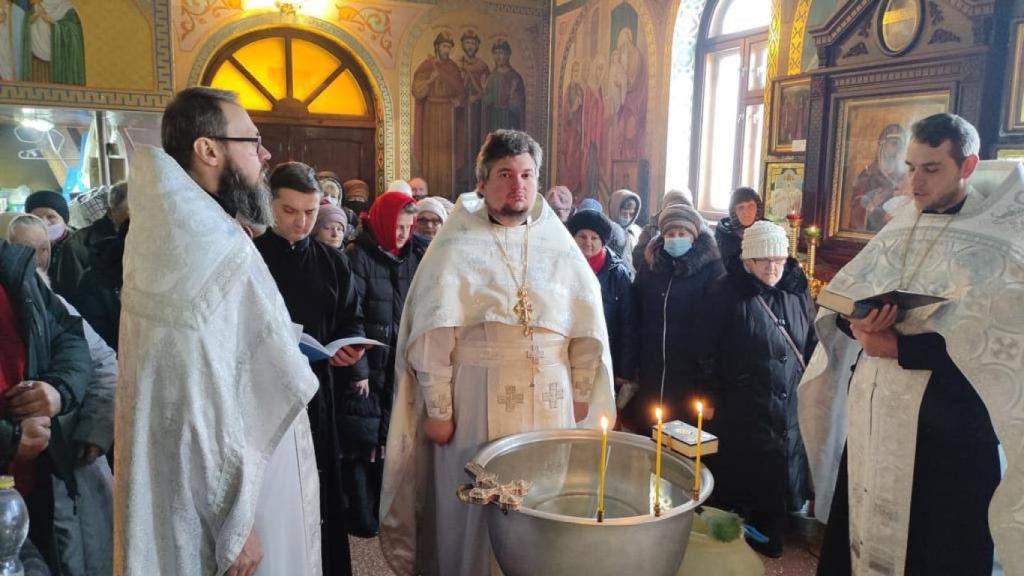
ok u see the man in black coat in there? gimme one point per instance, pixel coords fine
(44, 369)
(763, 336)
(318, 290)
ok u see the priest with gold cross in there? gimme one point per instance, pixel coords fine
(503, 332)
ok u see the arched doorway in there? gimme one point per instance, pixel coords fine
(309, 97)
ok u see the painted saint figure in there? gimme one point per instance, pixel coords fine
(504, 103)
(438, 88)
(53, 44)
(879, 181)
(474, 72)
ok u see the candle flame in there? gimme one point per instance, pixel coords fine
(657, 413)
(604, 423)
(700, 407)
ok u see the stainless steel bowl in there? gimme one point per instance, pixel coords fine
(556, 532)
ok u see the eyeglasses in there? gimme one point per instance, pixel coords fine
(767, 261)
(257, 140)
(428, 221)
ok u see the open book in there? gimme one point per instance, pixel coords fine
(316, 351)
(682, 438)
(860, 308)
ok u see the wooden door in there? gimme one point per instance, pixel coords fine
(348, 152)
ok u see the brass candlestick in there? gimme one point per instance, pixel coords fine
(813, 236)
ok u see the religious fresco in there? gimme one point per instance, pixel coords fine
(468, 76)
(41, 41)
(602, 100)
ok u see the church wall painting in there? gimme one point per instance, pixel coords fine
(870, 143)
(603, 81)
(468, 74)
(789, 115)
(783, 189)
(73, 53)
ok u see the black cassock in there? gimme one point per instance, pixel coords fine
(316, 283)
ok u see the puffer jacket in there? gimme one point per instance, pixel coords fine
(616, 282)
(382, 281)
(667, 294)
(751, 373)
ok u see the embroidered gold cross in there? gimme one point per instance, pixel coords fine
(524, 310)
(510, 399)
(442, 404)
(536, 355)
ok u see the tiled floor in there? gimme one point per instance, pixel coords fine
(799, 559)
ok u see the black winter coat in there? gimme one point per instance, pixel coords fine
(382, 282)
(617, 296)
(667, 295)
(57, 353)
(751, 373)
(729, 239)
(98, 297)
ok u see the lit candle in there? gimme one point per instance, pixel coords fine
(657, 467)
(696, 469)
(600, 485)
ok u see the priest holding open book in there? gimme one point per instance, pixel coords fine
(316, 283)
(906, 454)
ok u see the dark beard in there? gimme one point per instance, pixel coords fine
(247, 202)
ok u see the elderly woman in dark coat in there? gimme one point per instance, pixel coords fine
(681, 264)
(763, 336)
(745, 208)
(592, 230)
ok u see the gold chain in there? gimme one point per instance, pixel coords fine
(523, 308)
(927, 252)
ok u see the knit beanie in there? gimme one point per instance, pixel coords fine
(400, 186)
(330, 214)
(355, 189)
(676, 197)
(591, 204)
(433, 205)
(559, 198)
(48, 199)
(591, 220)
(680, 216)
(765, 240)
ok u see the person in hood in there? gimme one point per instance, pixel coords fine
(429, 221)
(763, 337)
(745, 208)
(65, 268)
(592, 230)
(617, 241)
(681, 264)
(383, 265)
(625, 209)
(331, 186)
(356, 196)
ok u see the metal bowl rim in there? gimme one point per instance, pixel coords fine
(507, 444)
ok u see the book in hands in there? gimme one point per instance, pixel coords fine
(861, 308)
(316, 351)
(682, 438)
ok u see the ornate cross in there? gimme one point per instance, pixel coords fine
(536, 355)
(510, 399)
(524, 310)
(553, 397)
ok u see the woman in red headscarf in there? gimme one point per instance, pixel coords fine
(383, 264)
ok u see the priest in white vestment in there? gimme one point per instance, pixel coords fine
(503, 332)
(922, 423)
(215, 466)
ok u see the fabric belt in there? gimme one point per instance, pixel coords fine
(493, 355)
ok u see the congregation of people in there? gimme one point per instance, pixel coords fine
(236, 454)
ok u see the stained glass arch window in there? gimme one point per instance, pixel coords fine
(292, 72)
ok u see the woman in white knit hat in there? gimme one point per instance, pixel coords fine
(764, 335)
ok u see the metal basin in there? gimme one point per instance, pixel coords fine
(556, 532)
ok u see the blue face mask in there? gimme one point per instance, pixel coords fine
(678, 246)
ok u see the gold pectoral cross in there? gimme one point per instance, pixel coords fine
(524, 311)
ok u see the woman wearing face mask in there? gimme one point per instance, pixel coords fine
(681, 263)
(764, 335)
(65, 269)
